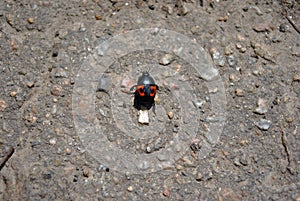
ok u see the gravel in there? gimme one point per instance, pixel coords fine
(244, 149)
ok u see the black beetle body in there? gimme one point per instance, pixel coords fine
(145, 92)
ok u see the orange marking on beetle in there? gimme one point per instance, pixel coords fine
(141, 90)
(153, 91)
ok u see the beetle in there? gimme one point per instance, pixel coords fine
(145, 92)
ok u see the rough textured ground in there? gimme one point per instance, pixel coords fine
(255, 45)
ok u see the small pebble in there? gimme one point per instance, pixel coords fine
(2, 105)
(257, 10)
(195, 146)
(263, 124)
(207, 175)
(262, 106)
(57, 162)
(166, 192)
(168, 9)
(240, 38)
(47, 175)
(243, 160)
(244, 142)
(102, 112)
(98, 17)
(53, 141)
(213, 91)
(296, 77)
(256, 72)
(106, 194)
(31, 119)
(238, 45)
(128, 175)
(82, 28)
(260, 27)
(289, 119)
(68, 170)
(30, 20)
(103, 168)
(166, 59)
(243, 49)
(56, 90)
(187, 161)
(170, 115)
(236, 162)
(223, 19)
(231, 60)
(68, 151)
(85, 172)
(13, 45)
(228, 50)
(179, 167)
(55, 53)
(115, 180)
(283, 28)
(179, 179)
(231, 77)
(184, 9)
(151, 7)
(75, 179)
(198, 103)
(245, 9)
(30, 84)
(104, 83)
(217, 57)
(60, 73)
(199, 176)
(13, 93)
(262, 51)
(296, 51)
(239, 92)
(10, 19)
(130, 188)
(54, 109)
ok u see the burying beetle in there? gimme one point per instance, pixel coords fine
(145, 92)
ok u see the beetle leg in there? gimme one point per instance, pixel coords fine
(153, 109)
(127, 92)
(136, 103)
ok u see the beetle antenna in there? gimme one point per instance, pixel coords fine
(146, 71)
(135, 67)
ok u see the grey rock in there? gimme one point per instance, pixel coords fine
(263, 124)
(166, 59)
(217, 57)
(60, 73)
(168, 9)
(104, 83)
(262, 106)
(283, 28)
(231, 60)
(198, 103)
